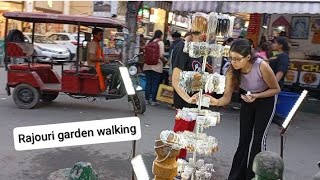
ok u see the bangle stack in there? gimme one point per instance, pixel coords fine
(218, 102)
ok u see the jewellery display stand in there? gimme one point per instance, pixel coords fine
(197, 142)
(208, 25)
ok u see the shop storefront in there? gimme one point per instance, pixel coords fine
(153, 16)
(303, 32)
(55, 7)
(9, 6)
(150, 20)
(177, 23)
(301, 22)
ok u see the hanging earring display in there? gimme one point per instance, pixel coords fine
(212, 25)
(202, 171)
(191, 81)
(204, 118)
(223, 25)
(205, 28)
(200, 22)
(186, 47)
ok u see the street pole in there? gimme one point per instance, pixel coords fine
(131, 22)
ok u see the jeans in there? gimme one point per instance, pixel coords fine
(107, 69)
(153, 80)
(165, 77)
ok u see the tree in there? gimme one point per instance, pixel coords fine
(131, 22)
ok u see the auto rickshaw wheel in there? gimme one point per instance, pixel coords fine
(26, 96)
(49, 96)
(142, 102)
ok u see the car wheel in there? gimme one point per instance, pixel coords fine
(49, 96)
(26, 96)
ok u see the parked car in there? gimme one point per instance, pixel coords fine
(68, 40)
(48, 49)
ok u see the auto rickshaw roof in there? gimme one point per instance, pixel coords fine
(64, 19)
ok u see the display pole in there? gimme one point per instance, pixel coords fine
(281, 145)
(196, 128)
(134, 141)
(289, 118)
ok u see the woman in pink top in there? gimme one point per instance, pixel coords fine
(265, 52)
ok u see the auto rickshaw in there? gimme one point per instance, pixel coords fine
(32, 82)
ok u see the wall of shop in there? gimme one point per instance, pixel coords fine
(9, 6)
(158, 17)
(49, 6)
(305, 45)
(81, 7)
(56, 7)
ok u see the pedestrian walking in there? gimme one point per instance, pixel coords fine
(153, 67)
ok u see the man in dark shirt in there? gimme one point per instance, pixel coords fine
(280, 67)
(281, 63)
(176, 40)
(183, 62)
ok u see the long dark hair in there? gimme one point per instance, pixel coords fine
(242, 47)
(267, 47)
(157, 34)
(284, 42)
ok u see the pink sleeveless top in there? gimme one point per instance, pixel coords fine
(253, 81)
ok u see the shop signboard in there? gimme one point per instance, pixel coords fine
(303, 74)
(105, 8)
(254, 28)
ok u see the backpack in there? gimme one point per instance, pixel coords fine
(152, 53)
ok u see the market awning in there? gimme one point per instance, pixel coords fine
(278, 7)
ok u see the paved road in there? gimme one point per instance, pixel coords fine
(111, 161)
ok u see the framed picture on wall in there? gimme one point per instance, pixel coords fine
(300, 27)
(315, 23)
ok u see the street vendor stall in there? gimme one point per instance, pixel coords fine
(300, 21)
(304, 51)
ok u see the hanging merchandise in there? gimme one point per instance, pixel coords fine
(202, 82)
(191, 81)
(203, 171)
(204, 118)
(223, 25)
(193, 121)
(212, 26)
(232, 18)
(200, 22)
(200, 143)
(199, 49)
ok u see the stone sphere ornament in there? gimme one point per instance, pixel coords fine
(317, 176)
(268, 166)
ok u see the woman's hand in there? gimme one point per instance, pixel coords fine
(249, 98)
(193, 99)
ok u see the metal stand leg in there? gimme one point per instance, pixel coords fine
(281, 145)
(133, 155)
(134, 142)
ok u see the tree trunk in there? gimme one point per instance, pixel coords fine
(131, 22)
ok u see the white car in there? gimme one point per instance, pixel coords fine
(68, 40)
(48, 49)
